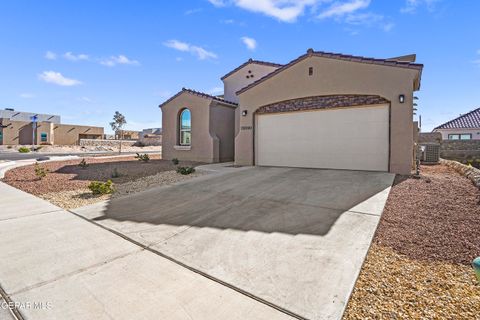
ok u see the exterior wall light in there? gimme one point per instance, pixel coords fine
(401, 98)
(244, 113)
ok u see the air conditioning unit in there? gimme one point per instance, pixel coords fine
(430, 153)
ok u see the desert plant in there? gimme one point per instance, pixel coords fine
(185, 170)
(115, 173)
(117, 125)
(40, 172)
(142, 157)
(83, 164)
(139, 144)
(9, 147)
(99, 188)
(175, 161)
(24, 150)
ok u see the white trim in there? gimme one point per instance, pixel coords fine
(183, 148)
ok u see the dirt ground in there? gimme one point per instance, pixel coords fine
(419, 264)
(79, 149)
(68, 175)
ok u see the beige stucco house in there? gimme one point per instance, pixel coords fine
(321, 110)
(464, 127)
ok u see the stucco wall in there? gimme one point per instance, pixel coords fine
(331, 76)
(213, 129)
(202, 142)
(222, 119)
(20, 132)
(239, 79)
(69, 134)
(445, 132)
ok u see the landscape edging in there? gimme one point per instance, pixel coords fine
(468, 171)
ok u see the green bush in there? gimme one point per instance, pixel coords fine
(185, 170)
(83, 164)
(99, 188)
(175, 161)
(24, 150)
(40, 172)
(142, 157)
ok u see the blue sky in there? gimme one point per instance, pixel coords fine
(86, 59)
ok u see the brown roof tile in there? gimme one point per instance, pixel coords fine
(264, 63)
(470, 120)
(199, 94)
(338, 56)
(322, 102)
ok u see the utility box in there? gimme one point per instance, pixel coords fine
(430, 153)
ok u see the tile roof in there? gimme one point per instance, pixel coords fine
(199, 94)
(264, 63)
(322, 102)
(338, 56)
(469, 120)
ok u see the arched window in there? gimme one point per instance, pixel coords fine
(185, 128)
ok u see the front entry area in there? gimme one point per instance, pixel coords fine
(355, 138)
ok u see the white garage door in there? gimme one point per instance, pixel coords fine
(351, 138)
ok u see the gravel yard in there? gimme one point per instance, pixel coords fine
(419, 264)
(66, 183)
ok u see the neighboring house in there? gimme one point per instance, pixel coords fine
(465, 127)
(16, 128)
(321, 110)
(127, 134)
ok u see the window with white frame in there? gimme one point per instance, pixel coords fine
(460, 136)
(185, 134)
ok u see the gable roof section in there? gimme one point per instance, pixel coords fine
(322, 102)
(338, 56)
(470, 120)
(249, 61)
(198, 94)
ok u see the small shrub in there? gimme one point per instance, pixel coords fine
(9, 147)
(24, 150)
(115, 173)
(83, 164)
(38, 148)
(142, 157)
(139, 144)
(175, 161)
(99, 188)
(185, 170)
(40, 172)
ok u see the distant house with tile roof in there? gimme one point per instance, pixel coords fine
(464, 127)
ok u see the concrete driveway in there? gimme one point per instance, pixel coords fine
(292, 238)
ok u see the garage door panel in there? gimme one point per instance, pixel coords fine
(354, 138)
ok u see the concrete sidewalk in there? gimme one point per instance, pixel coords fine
(55, 265)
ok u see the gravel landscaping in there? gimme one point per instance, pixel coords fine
(419, 264)
(66, 183)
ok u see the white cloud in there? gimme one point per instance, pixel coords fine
(199, 52)
(283, 10)
(75, 57)
(50, 55)
(116, 60)
(215, 91)
(217, 3)
(477, 61)
(27, 95)
(411, 6)
(340, 9)
(86, 99)
(250, 43)
(58, 79)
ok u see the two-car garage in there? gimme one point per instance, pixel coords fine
(353, 133)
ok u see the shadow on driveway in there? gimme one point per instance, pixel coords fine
(265, 199)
